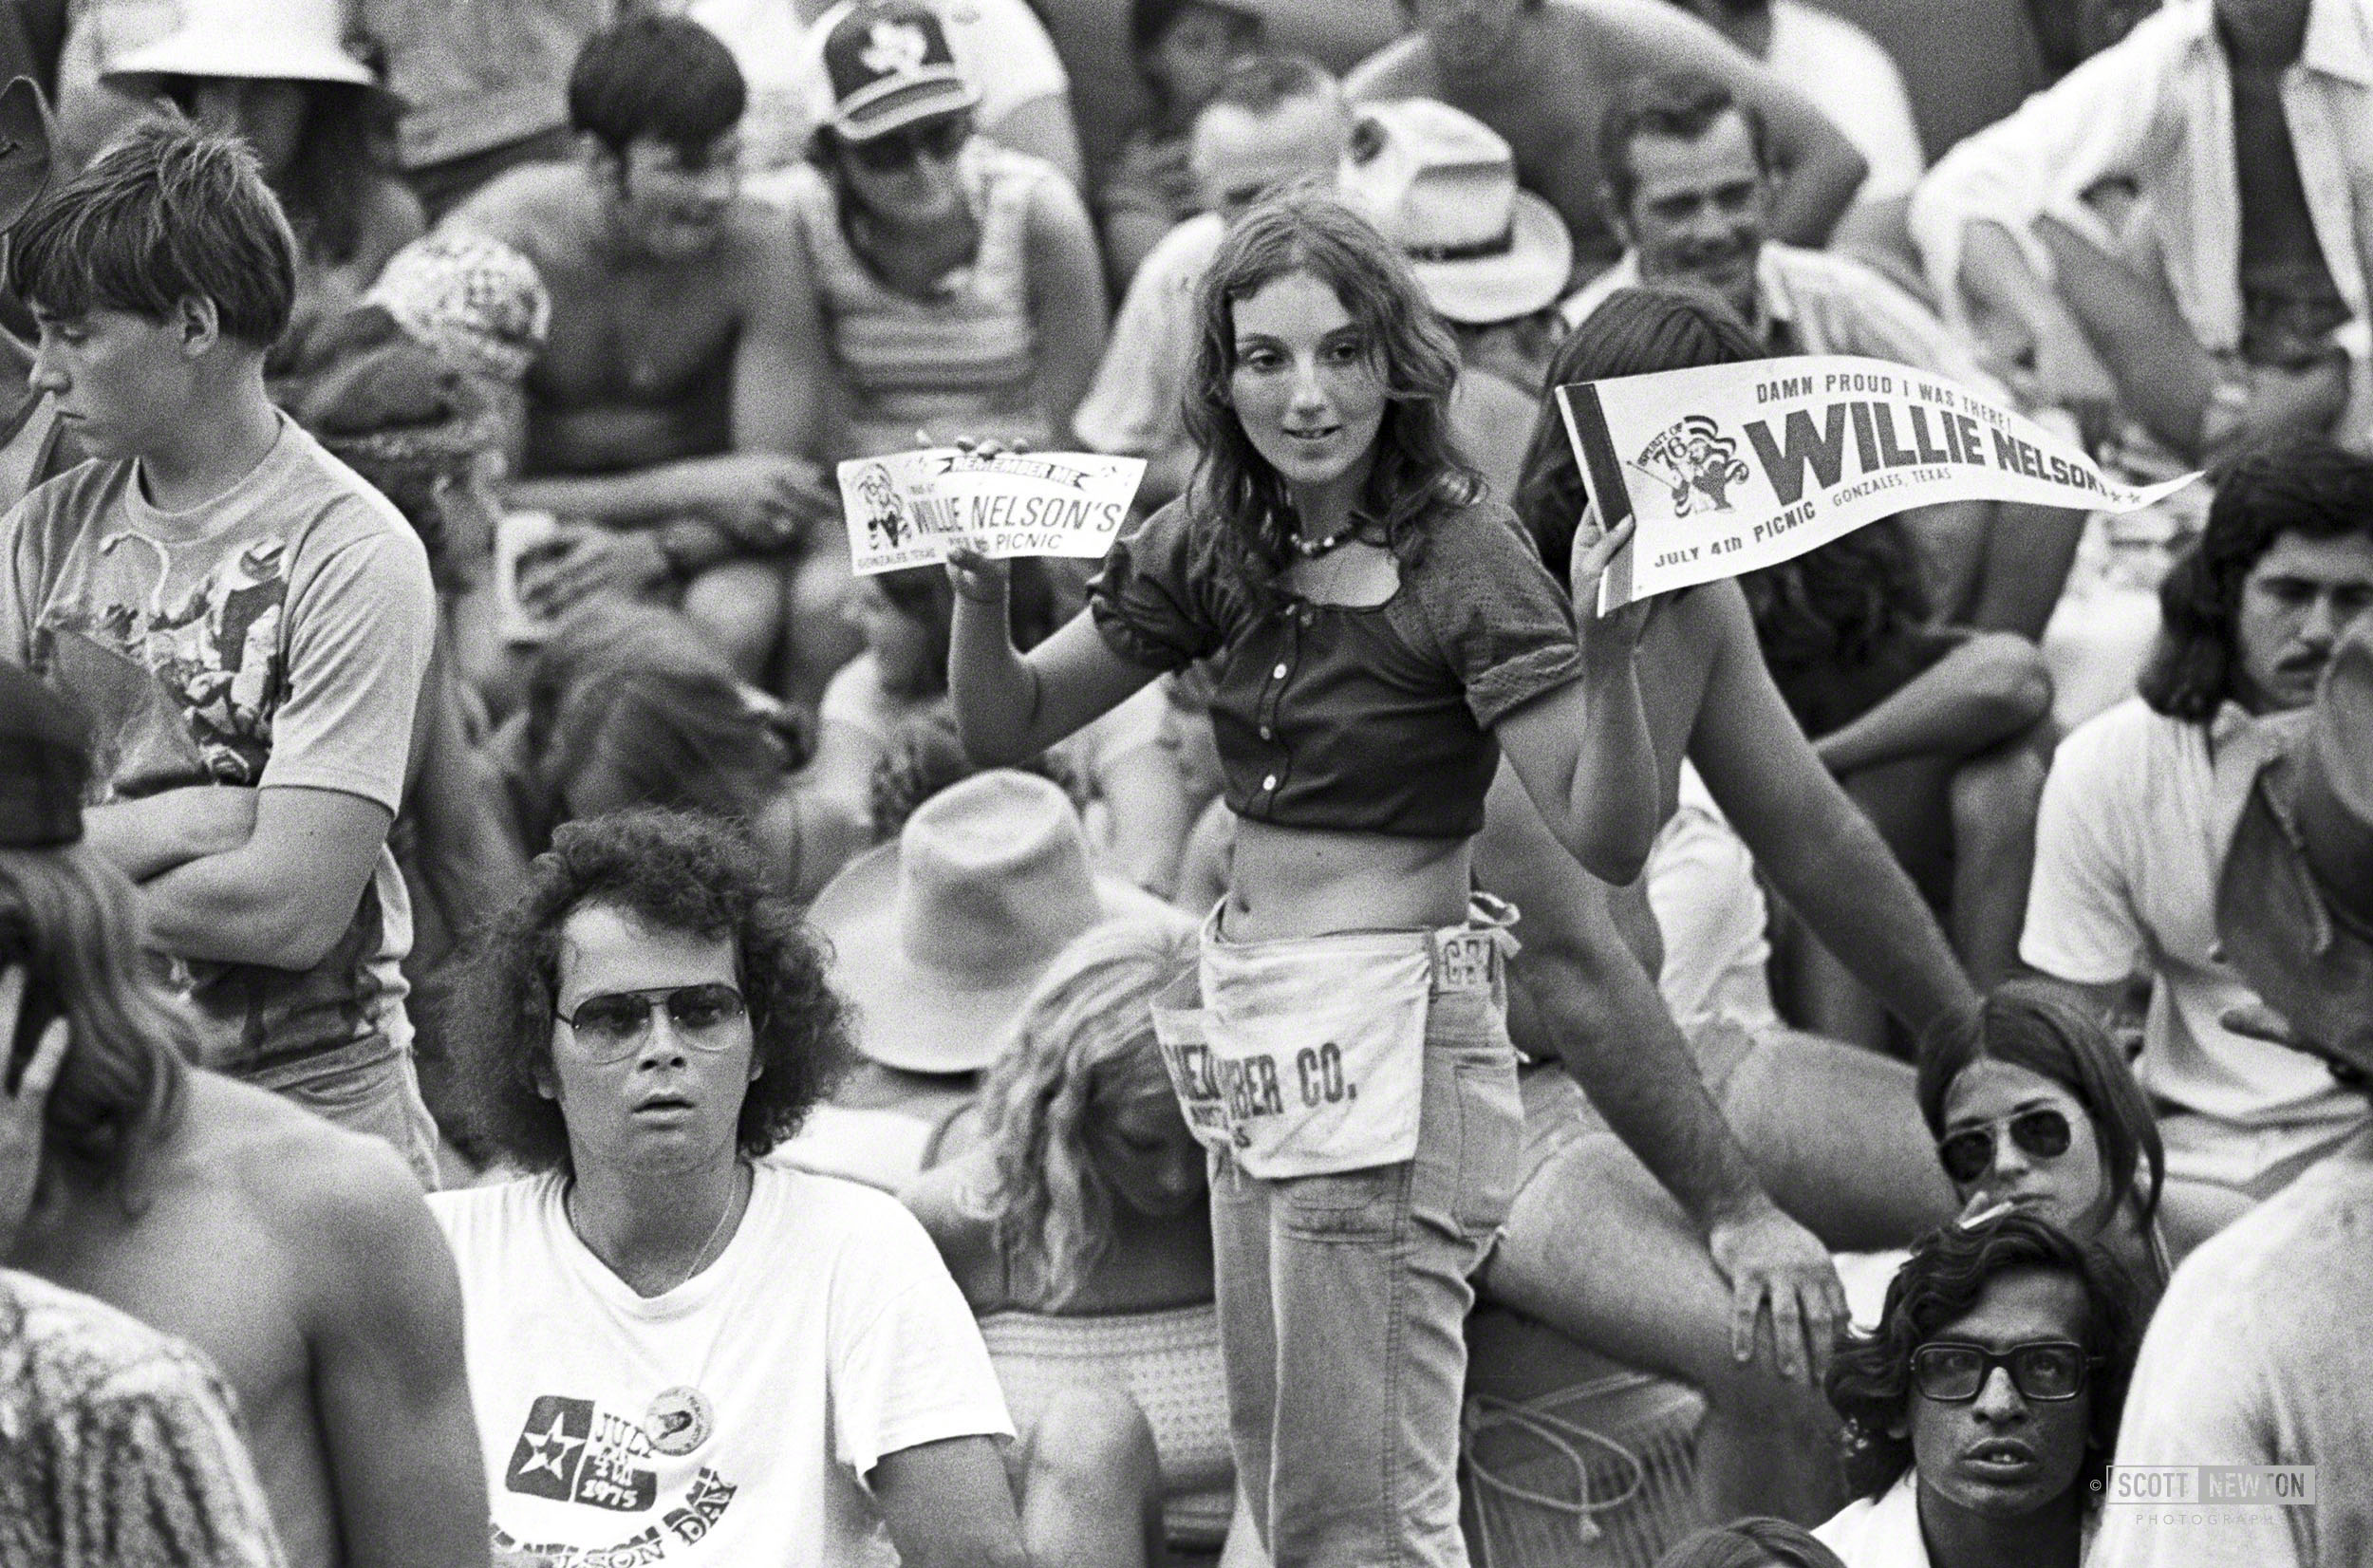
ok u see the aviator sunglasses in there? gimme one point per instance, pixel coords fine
(2043, 1133)
(940, 138)
(614, 1024)
(2045, 1371)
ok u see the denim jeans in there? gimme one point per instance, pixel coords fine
(1344, 1303)
(366, 1087)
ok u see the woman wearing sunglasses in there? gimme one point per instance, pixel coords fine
(2032, 1105)
(671, 1343)
(1980, 1416)
(958, 281)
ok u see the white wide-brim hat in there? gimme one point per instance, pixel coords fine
(259, 40)
(1441, 185)
(938, 938)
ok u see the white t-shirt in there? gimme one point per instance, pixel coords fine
(1879, 1532)
(2135, 820)
(728, 1421)
(1000, 45)
(1851, 78)
(2260, 1354)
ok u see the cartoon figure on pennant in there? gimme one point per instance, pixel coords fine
(1696, 463)
(885, 520)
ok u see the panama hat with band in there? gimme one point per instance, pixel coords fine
(938, 938)
(1441, 185)
(887, 64)
(2294, 903)
(258, 40)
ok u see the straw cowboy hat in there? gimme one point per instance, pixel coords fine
(1441, 184)
(2294, 905)
(267, 40)
(938, 938)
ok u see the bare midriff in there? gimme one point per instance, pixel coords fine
(1312, 882)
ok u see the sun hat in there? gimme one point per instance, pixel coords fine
(2294, 903)
(1441, 184)
(886, 63)
(939, 937)
(267, 40)
(44, 762)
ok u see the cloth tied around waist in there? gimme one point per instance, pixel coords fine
(1306, 1056)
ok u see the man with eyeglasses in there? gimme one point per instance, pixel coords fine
(1981, 1412)
(679, 1352)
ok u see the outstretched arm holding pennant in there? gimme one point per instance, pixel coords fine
(1725, 469)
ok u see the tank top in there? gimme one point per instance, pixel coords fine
(961, 363)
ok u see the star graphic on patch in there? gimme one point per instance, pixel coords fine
(894, 49)
(551, 1450)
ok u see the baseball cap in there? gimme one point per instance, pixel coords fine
(887, 64)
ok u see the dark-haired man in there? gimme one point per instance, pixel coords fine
(1692, 188)
(755, 1367)
(247, 621)
(673, 410)
(2141, 798)
(1986, 1401)
(1536, 71)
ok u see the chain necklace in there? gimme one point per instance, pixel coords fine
(699, 1259)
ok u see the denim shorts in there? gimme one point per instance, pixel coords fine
(368, 1086)
(1343, 1300)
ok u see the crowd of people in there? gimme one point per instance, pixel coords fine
(550, 1023)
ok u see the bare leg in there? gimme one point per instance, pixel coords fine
(2164, 375)
(1993, 799)
(740, 605)
(1090, 1486)
(818, 641)
(1597, 1249)
(2028, 553)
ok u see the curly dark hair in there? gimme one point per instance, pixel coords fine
(2302, 485)
(678, 872)
(1870, 1380)
(1754, 1541)
(1417, 474)
(1634, 333)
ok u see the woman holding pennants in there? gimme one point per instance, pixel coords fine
(1377, 634)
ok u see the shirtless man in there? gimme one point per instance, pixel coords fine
(1540, 73)
(297, 1255)
(1753, 1140)
(671, 416)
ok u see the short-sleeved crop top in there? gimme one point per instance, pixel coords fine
(1370, 719)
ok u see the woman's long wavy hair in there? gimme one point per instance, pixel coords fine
(2306, 486)
(340, 155)
(123, 1081)
(1634, 333)
(2034, 1025)
(1085, 1037)
(1415, 470)
(1870, 1379)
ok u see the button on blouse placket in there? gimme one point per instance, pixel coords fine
(1275, 691)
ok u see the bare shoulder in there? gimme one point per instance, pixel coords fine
(762, 248)
(344, 1193)
(1403, 68)
(539, 208)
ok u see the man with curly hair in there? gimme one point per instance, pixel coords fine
(674, 1347)
(2142, 798)
(1986, 1404)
